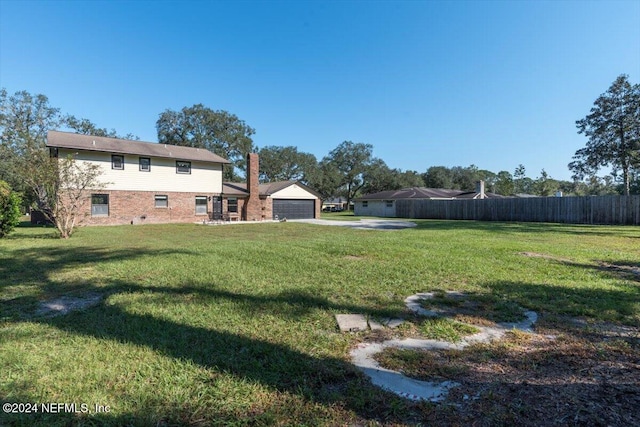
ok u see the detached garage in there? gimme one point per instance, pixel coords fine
(291, 200)
(277, 200)
(252, 201)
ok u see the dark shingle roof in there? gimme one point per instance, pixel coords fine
(424, 193)
(266, 189)
(76, 141)
(412, 193)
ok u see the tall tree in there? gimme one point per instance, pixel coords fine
(24, 122)
(465, 178)
(379, 177)
(86, 127)
(351, 161)
(613, 131)
(218, 131)
(438, 177)
(325, 179)
(544, 185)
(409, 179)
(504, 184)
(285, 164)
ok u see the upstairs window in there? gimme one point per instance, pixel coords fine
(183, 167)
(145, 164)
(117, 162)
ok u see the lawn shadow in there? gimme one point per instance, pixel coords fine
(26, 274)
(619, 305)
(329, 381)
(528, 227)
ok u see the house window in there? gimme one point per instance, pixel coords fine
(389, 203)
(145, 164)
(365, 204)
(162, 201)
(201, 205)
(117, 162)
(99, 205)
(183, 167)
(232, 204)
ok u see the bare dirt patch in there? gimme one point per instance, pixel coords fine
(626, 271)
(559, 376)
(545, 256)
(66, 304)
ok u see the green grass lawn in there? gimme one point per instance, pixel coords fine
(234, 325)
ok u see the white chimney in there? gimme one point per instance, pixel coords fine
(480, 190)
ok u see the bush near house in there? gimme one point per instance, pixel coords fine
(10, 203)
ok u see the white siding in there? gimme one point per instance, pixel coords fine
(375, 208)
(293, 192)
(205, 177)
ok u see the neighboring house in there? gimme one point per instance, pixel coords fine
(383, 204)
(335, 204)
(157, 183)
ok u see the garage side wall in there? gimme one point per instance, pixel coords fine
(379, 208)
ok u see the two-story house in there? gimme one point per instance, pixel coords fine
(146, 182)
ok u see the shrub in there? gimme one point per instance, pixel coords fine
(9, 209)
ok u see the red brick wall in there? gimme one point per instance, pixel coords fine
(138, 207)
(253, 208)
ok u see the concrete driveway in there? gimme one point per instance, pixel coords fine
(363, 224)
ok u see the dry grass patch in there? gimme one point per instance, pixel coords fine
(566, 374)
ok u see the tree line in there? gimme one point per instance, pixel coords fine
(612, 129)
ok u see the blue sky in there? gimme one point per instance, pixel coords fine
(427, 83)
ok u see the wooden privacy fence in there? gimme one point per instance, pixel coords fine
(574, 210)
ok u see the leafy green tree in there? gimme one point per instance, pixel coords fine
(218, 131)
(10, 202)
(285, 164)
(24, 122)
(325, 179)
(409, 178)
(438, 177)
(490, 179)
(519, 175)
(613, 131)
(56, 188)
(504, 184)
(379, 177)
(351, 161)
(86, 127)
(545, 185)
(62, 188)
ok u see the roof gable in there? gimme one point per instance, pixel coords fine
(76, 141)
(266, 189)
